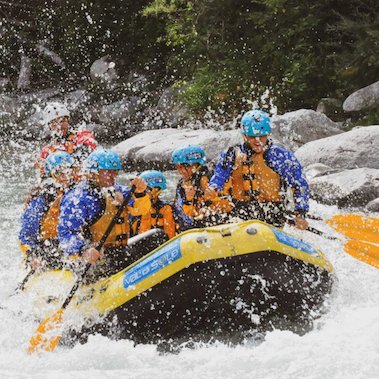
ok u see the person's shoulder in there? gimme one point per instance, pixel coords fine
(79, 191)
(277, 150)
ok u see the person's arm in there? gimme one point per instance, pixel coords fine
(77, 209)
(30, 223)
(290, 169)
(184, 221)
(222, 172)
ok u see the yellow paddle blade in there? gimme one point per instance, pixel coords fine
(356, 226)
(356, 220)
(364, 251)
(40, 341)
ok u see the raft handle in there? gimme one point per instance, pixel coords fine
(251, 231)
(226, 233)
(201, 239)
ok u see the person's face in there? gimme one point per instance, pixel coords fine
(59, 126)
(186, 170)
(257, 144)
(106, 178)
(63, 177)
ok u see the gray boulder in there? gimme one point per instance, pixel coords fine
(38, 97)
(4, 84)
(153, 148)
(50, 54)
(357, 148)
(364, 98)
(351, 188)
(115, 120)
(294, 129)
(103, 70)
(373, 206)
(170, 110)
(119, 112)
(137, 82)
(25, 72)
(331, 108)
(77, 99)
(8, 104)
(318, 169)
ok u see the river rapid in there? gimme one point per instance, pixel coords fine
(343, 344)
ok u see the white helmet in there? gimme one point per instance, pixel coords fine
(54, 110)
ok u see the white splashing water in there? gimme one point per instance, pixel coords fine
(344, 343)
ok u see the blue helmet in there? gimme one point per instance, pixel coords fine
(57, 161)
(154, 179)
(256, 123)
(102, 159)
(189, 155)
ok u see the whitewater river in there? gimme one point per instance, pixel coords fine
(344, 343)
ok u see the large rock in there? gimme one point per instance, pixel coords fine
(170, 109)
(5, 83)
(352, 188)
(364, 98)
(115, 119)
(153, 148)
(25, 73)
(373, 206)
(39, 96)
(331, 108)
(103, 70)
(317, 169)
(8, 104)
(294, 129)
(50, 54)
(77, 99)
(357, 148)
(120, 111)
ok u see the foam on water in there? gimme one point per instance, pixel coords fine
(344, 343)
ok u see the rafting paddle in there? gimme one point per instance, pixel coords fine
(356, 227)
(362, 233)
(21, 286)
(41, 339)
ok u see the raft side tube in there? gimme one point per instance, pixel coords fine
(189, 248)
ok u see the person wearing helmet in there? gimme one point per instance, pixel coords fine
(80, 144)
(190, 207)
(161, 213)
(38, 235)
(258, 173)
(89, 208)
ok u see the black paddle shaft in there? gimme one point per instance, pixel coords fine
(100, 245)
(291, 221)
(21, 286)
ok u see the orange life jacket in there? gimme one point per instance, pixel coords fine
(49, 222)
(159, 217)
(254, 179)
(119, 235)
(200, 181)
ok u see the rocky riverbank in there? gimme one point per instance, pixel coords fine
(146, 125)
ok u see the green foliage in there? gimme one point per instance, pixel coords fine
(295, 49)
(228, 52)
